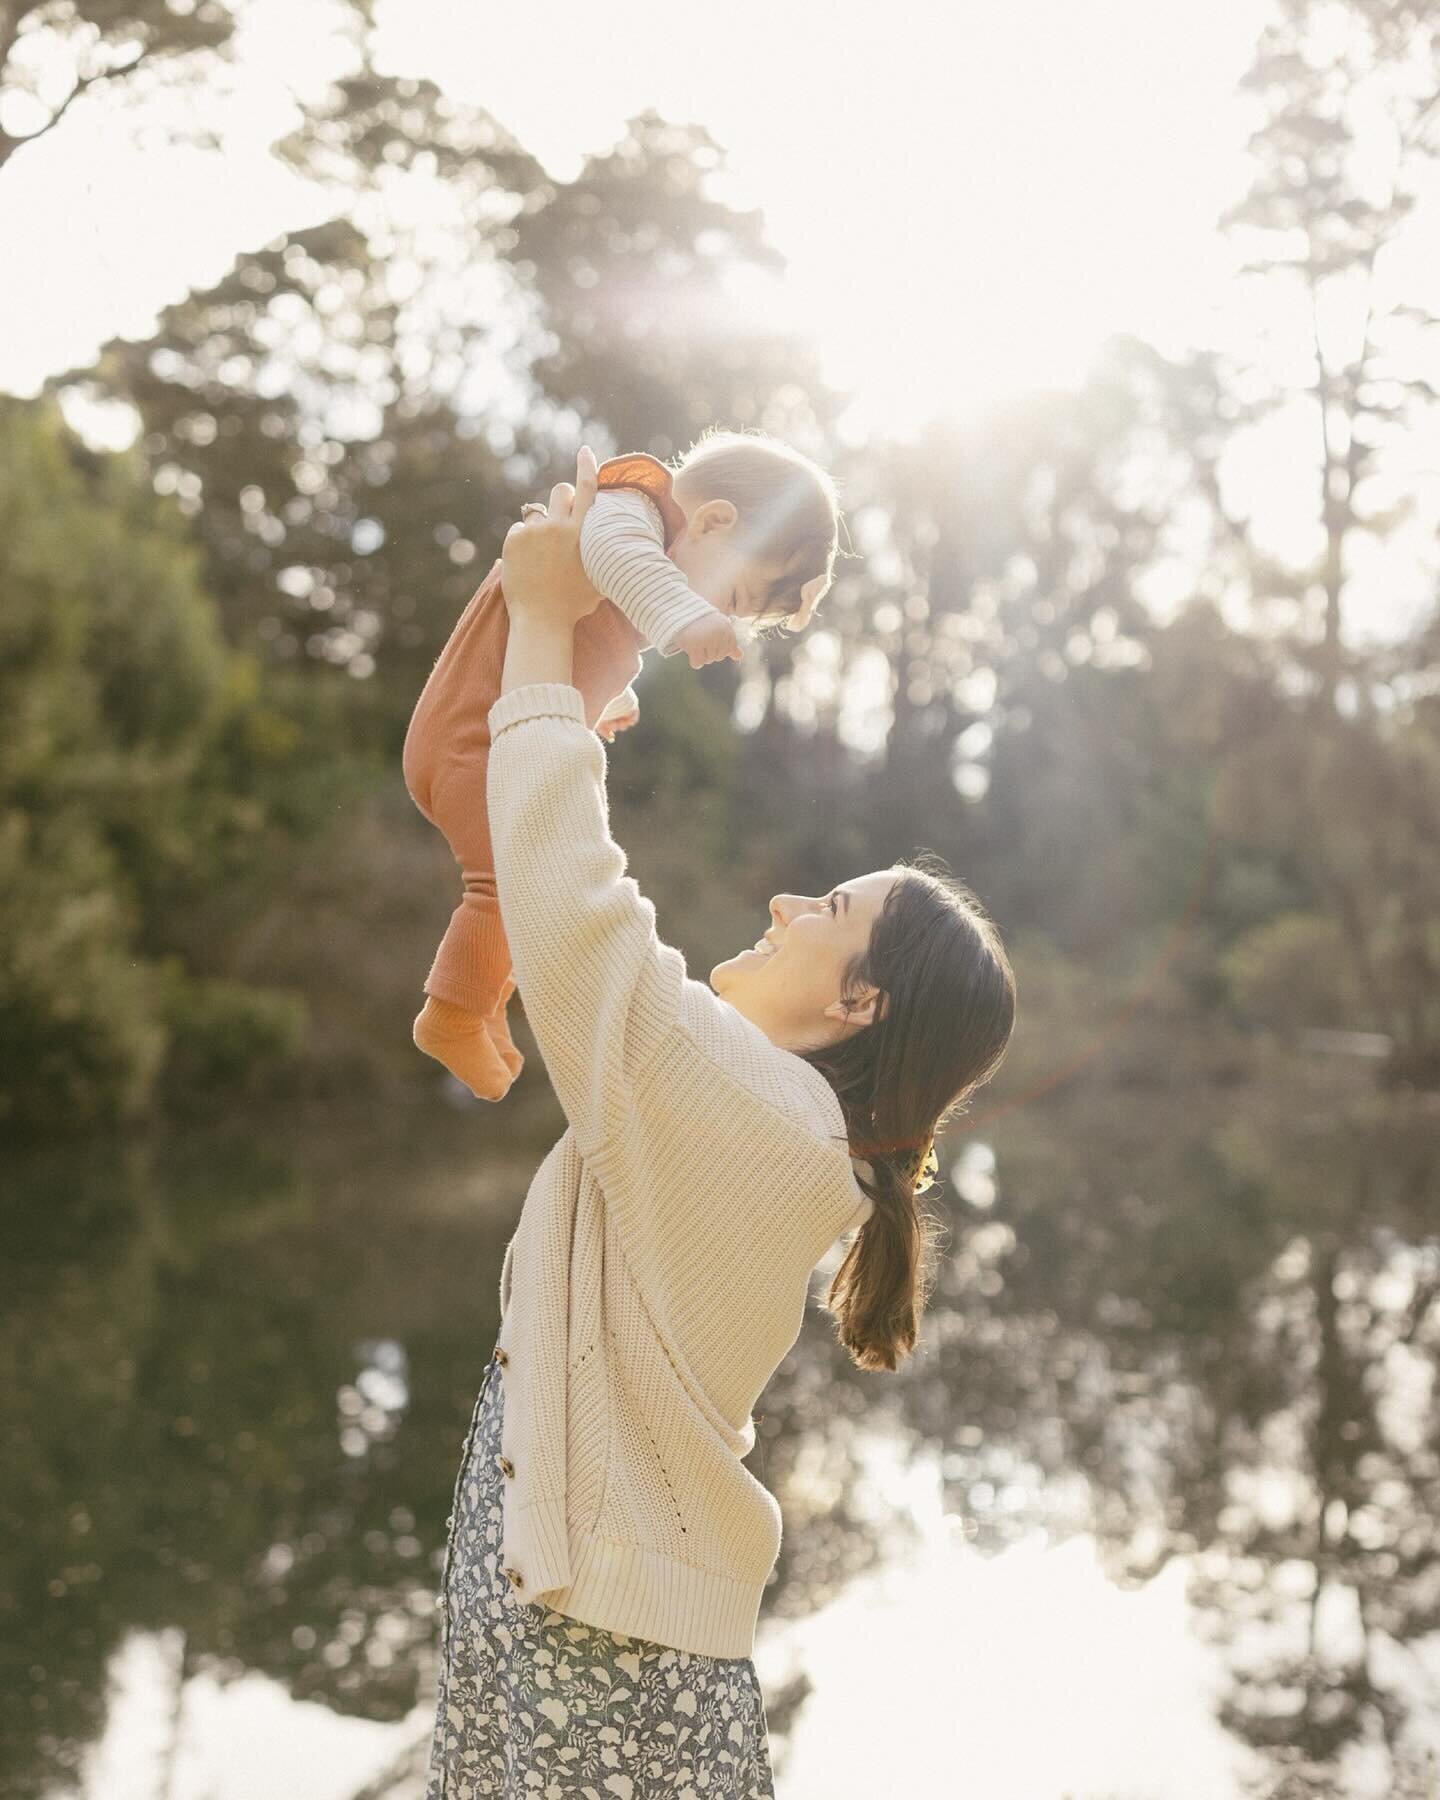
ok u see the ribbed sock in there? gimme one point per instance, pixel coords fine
(466, 1044)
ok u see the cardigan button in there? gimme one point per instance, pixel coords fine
(507, 1468)
(501, 1358)
(516, 1580)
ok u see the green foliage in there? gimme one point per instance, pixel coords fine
(1294, 971)
(229, 1043)
(1351, 806)
(133, 776)
(79, 1037)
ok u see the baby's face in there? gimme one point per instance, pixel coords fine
(738, 583)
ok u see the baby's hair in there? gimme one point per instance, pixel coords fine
(788, 507)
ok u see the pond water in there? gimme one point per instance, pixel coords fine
(1150, 1516)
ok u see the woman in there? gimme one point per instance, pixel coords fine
(608, 1546)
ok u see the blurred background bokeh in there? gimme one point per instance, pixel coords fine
(1119, 326)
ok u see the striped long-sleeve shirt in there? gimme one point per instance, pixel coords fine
(622, 548)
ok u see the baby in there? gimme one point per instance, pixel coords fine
(744, 527)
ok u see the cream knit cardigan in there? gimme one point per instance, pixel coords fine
(660, 1269)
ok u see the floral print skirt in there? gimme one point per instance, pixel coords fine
(536, 1706)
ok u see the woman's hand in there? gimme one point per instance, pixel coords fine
(541, 571)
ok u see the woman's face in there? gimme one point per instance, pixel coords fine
(790, 985)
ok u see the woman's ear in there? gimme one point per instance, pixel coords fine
(864, 1011)
(713, 515)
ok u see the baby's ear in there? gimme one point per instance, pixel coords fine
(810, 595)
(713, 515)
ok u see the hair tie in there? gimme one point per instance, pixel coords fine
(919, 1168)
(920, 1172)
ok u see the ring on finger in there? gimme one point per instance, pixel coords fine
(531, 508)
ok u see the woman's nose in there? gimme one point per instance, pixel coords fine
(784, 907)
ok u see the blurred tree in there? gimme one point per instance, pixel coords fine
(53, 51)
(338, 414)
(651, 293)
(1319, 787)
(1033, 737)
(353, 413)
(1352, 805)
(277, 410)
(1347, 145)
(133, 773)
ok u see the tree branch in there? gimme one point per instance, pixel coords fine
(1354, 454)
(9, 145)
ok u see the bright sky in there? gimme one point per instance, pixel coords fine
(966, 204)
(969, 197)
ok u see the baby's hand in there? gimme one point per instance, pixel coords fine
(709, 640)
(618, 722)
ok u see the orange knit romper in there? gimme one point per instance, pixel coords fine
(447, 752)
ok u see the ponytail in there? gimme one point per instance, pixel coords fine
(947, 1017)
(879, 1293)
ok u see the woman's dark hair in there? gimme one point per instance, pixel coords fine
(941, 1032)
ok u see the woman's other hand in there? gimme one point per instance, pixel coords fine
(541, 571)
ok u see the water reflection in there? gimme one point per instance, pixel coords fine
(1196, 1334)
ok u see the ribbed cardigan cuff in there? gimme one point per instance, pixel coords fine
(536, 700)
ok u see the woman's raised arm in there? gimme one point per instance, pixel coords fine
(599, 988)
